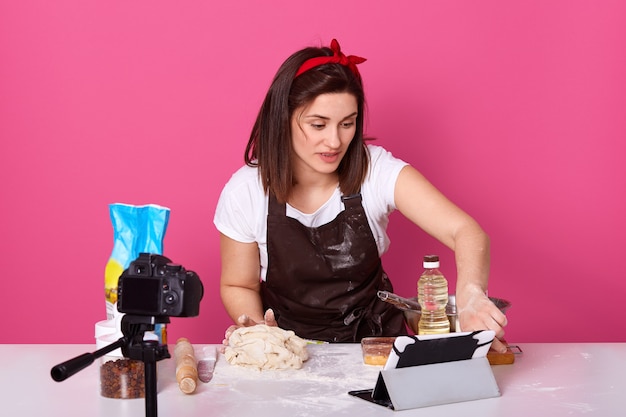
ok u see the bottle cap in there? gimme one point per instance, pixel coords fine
(431, 261)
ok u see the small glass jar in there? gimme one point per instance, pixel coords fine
(376, 349)
(120, 377)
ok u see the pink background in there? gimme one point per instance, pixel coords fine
(516, 112)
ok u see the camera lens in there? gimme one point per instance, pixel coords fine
(170, 298)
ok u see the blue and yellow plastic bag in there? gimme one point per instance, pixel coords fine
(136, 229)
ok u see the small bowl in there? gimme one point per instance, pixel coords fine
(412, 316)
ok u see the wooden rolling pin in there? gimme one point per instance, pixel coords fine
(186, 366)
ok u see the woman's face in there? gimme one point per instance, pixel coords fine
(321, 133)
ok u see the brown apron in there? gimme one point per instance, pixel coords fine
(322, 282)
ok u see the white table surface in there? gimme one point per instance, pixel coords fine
(558, 379)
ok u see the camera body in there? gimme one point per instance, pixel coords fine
(154, 286)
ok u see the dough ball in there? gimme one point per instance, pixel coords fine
(266, 347)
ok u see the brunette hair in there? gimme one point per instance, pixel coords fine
(269, 147)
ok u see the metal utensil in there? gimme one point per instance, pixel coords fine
(398, 301)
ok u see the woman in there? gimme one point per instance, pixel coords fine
(303, 223)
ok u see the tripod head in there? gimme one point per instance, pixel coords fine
(133, 329)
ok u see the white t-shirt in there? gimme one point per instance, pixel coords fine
(241, 212)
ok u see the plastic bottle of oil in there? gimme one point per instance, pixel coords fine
(432, 295)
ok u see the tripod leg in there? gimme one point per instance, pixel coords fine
(150, 380)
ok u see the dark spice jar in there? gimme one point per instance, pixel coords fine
(122, 378)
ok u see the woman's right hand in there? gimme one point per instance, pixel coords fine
(245, 321)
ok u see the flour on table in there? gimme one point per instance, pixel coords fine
(266, 347)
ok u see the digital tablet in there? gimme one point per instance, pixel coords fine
(429, 349)
(413, 351)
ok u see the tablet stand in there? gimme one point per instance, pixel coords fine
(423, 371)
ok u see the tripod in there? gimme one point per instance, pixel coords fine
(133, 347)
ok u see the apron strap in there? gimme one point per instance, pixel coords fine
(276, 208)
(351, 201)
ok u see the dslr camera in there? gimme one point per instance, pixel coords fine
(154, 286)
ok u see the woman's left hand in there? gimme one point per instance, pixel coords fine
(245, 321)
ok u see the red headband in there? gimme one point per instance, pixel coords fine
(338, 57)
